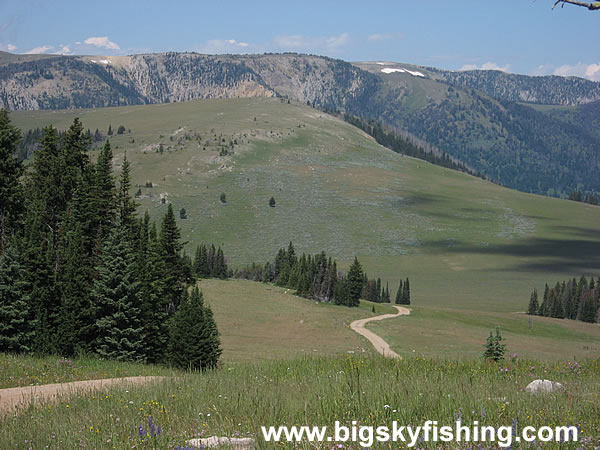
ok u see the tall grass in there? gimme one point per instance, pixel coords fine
(238, 398)
(19, 370)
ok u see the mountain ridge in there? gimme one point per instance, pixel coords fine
(479, 118)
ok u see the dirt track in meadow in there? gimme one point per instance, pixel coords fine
(21, 397)
(380, 345)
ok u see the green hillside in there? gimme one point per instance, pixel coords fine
(463, 242)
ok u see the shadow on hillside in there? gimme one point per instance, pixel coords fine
(575, 255)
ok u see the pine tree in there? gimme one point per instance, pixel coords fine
(155, 300)
(170, 247)
(194, 339)
(355, 282)
(494, 348)
(272, 202)
(399, 294)
(533, 304)
(587, 307)
(116, 295)
(11, 195)
(104, 192)
(126, 204)
(16, 331)
(406, 294)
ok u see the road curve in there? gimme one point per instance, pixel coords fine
(380, 345)
(20, 397)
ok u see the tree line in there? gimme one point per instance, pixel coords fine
(588, 197)
(317, 277)
(82, 273)
(403, 145)
(572, 299)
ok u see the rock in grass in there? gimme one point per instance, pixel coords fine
(216, 442)
(544, 386)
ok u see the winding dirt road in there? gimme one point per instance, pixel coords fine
(21, 397)
(380, 345)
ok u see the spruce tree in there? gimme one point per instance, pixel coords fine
(116, 296)
(170, 248)
(355, 282)
(11, 195)
(406, 294)
(533, 304)
(16, 331)
(399, 294)
(587, 307)
(155, 300)
(126, 204)
(194, 339)
(105, 192)
(494, 348)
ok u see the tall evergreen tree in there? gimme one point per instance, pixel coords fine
(399, 294)
(170, 248)
(16, 331)
(117, 299)
(11, 198)
(194, 342)
(355, 282)
(126, 204)
(533, 304)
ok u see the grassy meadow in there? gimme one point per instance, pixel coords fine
(473, 250)
(463, 242)
(238, 398)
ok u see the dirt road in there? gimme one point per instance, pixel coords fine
(380, 345)
(13, 398)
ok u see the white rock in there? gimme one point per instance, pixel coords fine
(216, 442)
(544, 386)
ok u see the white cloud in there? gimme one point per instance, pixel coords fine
(299, 42)
(487, 66)
(384, 36)
(11, 47)
(39, 50)
(215, 46)
(102, 42)
(64, 49)
(589, 71)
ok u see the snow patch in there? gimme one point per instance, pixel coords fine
(105, 61)
(413, 73)
(390, 70)
(380, 63)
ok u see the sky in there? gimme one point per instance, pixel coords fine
(517, 36)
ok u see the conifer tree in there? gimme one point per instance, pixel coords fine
(406, 295)
(155, 300)
(126, 204)
(16, 331)
(11, 195)
(170, 248)
(587, 307)
(116, 295)
(399, 294)
(355, 277)
(105, 192)
(194, 342)
(533, 304)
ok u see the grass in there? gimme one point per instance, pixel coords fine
(240, 397)
(19, 370)
(466, 244)
(258, 321)
(430, 332)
